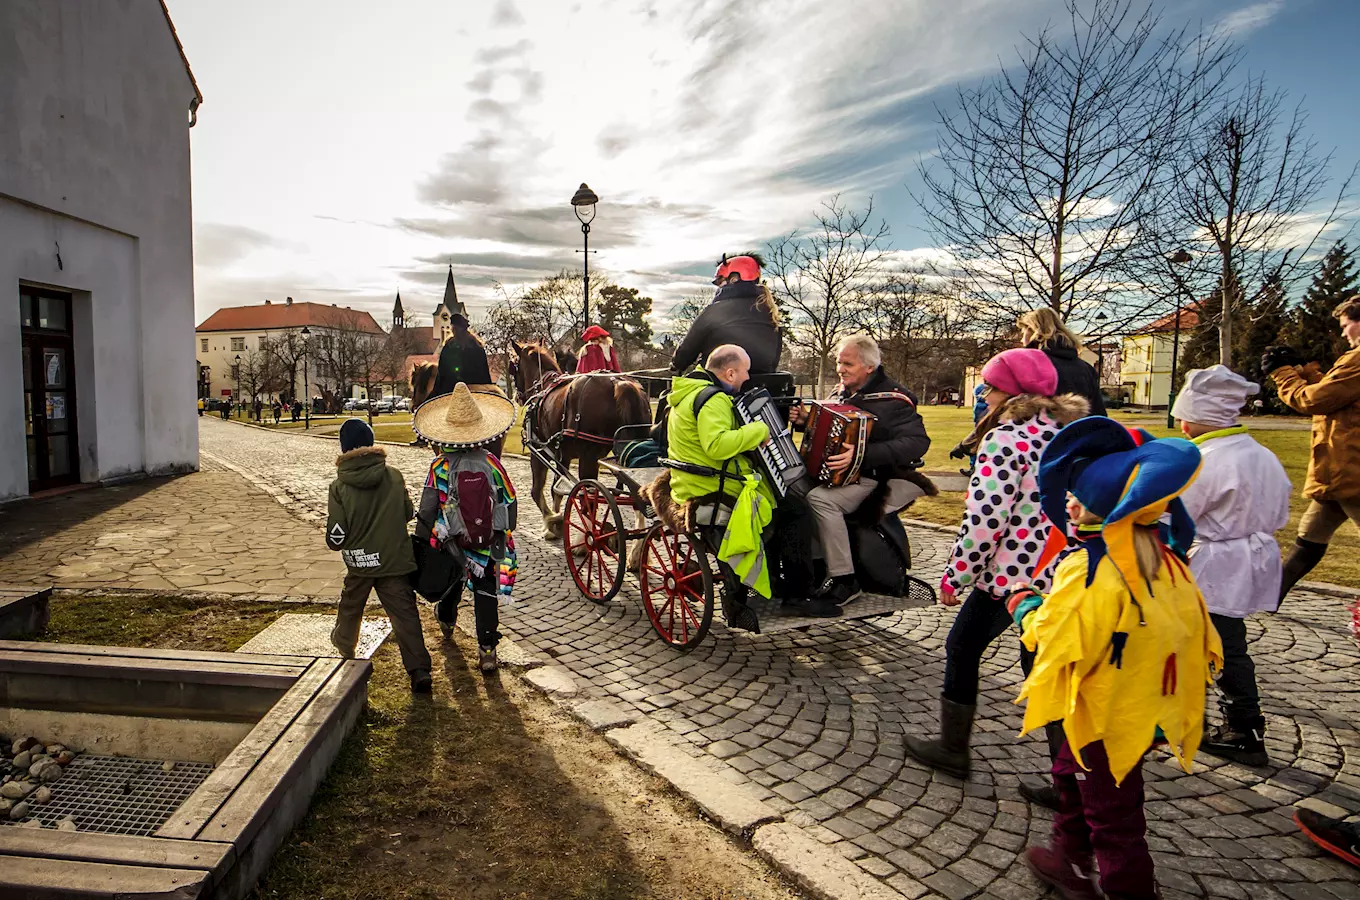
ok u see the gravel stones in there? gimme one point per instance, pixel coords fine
(18, 811)
(34, 762)
(42, 795)
(16, 790)
(67, 824)
(22, 760)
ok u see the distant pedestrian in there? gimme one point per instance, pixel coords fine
(468, 507)
(1333, 401)
(368, 509)
(200, 406)
(1238, 502)
(278, 410)
(226, 409)
(258, 409)
(296, 407)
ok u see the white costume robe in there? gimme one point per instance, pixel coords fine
(1238, 502)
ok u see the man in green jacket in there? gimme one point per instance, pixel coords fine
(711, 437)
(368, 512)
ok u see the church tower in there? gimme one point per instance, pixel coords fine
(398, 314)
(443, 313)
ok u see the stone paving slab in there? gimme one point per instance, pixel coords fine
(304, 634)
(813, 721)
(206, 531)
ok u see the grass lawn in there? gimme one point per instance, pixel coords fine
(484, 790)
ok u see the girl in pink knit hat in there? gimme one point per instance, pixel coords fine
(1002, 533)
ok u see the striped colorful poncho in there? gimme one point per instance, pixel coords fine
(478, 560)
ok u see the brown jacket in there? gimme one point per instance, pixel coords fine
(1334, 404)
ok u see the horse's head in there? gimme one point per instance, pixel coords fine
(422, 382)
(531, 365)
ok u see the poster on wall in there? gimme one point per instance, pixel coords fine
(53, 360)
(56, 408)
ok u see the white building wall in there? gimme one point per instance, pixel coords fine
(94, 156)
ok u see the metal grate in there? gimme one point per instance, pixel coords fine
(115, 795)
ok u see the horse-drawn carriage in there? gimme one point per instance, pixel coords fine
(674, 557)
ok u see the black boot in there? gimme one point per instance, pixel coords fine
(1302, 558)
(1241, 742)
(948, 753)
(1039, 788)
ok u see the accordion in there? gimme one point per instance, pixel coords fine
(833, 428)
(779, 458)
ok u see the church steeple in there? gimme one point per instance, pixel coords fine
(451, 297)
(398, 314)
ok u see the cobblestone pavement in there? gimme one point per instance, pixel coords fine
(815, 720)
(208, 531)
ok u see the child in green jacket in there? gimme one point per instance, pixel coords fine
(368, 510)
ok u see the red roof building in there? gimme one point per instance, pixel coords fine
(1167, 323)
(281, 316)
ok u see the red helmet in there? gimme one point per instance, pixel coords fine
(746, 267)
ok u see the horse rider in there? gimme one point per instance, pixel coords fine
(702, 431)
(888, 479)
(598, 353)
(462, 359)
(743, 313)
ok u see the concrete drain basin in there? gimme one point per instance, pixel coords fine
(250, 737)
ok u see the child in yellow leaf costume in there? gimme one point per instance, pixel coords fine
(1123, 644)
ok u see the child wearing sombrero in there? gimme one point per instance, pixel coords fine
(1124, 647)
(468, 506)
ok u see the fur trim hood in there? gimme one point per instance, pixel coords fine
(358, 452)
(1064, 409)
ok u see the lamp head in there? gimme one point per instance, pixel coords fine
(583, 201)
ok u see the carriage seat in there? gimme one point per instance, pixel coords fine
(686, 516)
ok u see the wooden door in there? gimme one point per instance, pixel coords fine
(49, 390)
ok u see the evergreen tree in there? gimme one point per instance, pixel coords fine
(1258, 328)
(623, 313)
(1311, 329)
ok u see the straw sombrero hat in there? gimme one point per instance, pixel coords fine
(464, 418)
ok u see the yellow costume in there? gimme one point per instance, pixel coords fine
(1118, 659)
(1155, 681)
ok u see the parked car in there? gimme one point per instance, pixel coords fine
(382, 406)
(401, 404)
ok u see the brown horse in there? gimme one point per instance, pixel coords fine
(585, 410)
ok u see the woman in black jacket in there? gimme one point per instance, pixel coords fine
(1043, 329)
(743, 313)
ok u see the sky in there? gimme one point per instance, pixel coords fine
(348, 150)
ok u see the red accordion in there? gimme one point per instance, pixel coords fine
(833, 428)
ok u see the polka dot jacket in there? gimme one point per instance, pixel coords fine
(1003, 529)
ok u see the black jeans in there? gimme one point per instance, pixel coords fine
(982, 619)
(790, 546)
(1238, 698)
(485, 606)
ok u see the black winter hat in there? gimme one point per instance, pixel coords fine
(354, 434)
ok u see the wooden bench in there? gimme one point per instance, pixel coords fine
(23, 611)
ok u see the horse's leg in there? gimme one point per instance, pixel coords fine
(540, 478)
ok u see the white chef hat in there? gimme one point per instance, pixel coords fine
(1213, 396)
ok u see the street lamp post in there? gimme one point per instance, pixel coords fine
(236, 373)
(1179, 258)
(306, 388)
(583, 202)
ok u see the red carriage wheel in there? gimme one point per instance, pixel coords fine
(677, 587)
(594, 541)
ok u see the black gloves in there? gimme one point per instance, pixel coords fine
(1277, 357)
(958, 452)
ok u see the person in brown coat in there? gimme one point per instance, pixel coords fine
(1333, 400)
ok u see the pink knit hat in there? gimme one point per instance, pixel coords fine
(1021, 371)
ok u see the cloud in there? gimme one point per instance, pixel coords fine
(506, 15)
(218, 245)
(1241, 22)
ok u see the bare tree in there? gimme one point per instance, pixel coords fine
(288, 350)
(1045, 178)
(349, 355)
(826, 276)
(1245, 196)
(259, 372)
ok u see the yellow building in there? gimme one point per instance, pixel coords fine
(1145, 359)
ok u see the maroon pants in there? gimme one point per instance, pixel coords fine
(1097, 819)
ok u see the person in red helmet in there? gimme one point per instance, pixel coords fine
(598, 354)
(742, 313)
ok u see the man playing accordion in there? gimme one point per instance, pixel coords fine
(897, 442)
(703, 432)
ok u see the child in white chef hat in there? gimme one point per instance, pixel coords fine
(1238, 502)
